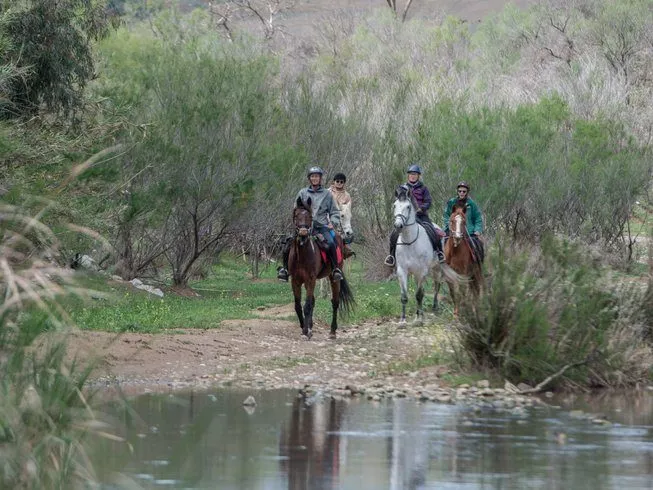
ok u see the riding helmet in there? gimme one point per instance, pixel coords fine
(414, 168)
(314, 170)
(464, 184)
(340, 176)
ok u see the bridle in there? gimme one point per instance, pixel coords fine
(404, 219)
(302, 231)
(406, 224)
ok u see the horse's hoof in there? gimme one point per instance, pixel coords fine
(332, 336)
(402, 324)
(309, 334)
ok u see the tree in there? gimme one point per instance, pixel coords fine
(50, 45)
(404, 12)
(266, 12)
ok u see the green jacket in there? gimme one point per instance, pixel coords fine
(474, 216)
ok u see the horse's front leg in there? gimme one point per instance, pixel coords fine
(335, 304)
(308, 308)
(297, 294)
(403, 284)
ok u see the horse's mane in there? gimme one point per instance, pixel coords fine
(403, 192)
(459, 206)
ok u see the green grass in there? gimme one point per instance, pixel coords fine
(229, 293)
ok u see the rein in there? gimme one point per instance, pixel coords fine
(405, 220)
(406, 225)
(416, 236)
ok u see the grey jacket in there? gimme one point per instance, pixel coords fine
(325, 209)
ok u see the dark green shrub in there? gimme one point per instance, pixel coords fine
(552, 307)
(49, 44)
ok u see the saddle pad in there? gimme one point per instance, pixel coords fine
(325, 259)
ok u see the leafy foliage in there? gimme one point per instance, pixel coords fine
(537, 169)
(46, 53)
(553, 308)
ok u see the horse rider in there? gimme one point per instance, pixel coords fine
(422, 197)
(342, 197)
(326, 215)
(473, 214)
(338, 191)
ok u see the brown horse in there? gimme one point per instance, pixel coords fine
(306, 266)
(460, 255)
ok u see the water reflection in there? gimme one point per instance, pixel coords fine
(310, 444)
(209, 440)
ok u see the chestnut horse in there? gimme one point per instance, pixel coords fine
(306, 266)
(459, 255)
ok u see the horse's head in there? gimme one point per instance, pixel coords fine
(458, 223)
(302, 219)
(403, 208)
(345, 221)
(402, 191)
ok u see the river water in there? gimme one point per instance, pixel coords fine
(210, 441)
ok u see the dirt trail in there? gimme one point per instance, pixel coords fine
(267, 352)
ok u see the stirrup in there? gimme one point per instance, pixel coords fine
(389, 260)
(337, 274)
(440, 256)
(282, 274)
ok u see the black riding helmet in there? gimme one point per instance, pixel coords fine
(464, 184)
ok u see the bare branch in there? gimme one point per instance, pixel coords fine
(555, 375)
(406, 7)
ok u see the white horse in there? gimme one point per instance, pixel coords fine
(345, 221)
(415, 254)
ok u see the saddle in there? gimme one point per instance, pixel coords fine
(323, 245)
(435, 234)
(475, 247)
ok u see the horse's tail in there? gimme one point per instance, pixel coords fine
(451, 275)
(346, 298)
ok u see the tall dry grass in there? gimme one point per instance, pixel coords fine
(46, 413)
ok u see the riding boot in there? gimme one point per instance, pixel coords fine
(282, 272)
(390, 259)
(333, 257)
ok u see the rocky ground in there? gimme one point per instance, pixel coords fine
(375, 360)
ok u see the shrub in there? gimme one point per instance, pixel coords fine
(553, 310)
(49, 45)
